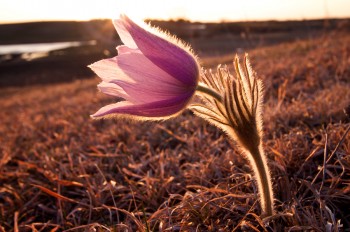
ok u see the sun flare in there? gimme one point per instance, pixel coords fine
(222, 10)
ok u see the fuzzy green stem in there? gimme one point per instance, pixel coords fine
(257, 159)
(206, 90)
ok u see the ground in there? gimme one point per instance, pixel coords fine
(62, 171)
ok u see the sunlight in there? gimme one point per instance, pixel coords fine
(195, 10)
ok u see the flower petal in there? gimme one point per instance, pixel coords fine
(107, 69)
(113, 90)
(160, 109)
(141, 80)
(144, 70)
(122, 49)
(124, 34)
(161, 52)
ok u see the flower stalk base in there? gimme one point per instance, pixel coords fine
(262, 174)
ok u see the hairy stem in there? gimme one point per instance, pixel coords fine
(262, 175)
(208, 91)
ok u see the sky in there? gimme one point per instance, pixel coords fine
(194, 10)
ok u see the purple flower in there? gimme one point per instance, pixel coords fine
(155, 73)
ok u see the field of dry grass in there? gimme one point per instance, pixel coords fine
(62, 171)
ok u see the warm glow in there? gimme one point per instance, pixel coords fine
(195, 10)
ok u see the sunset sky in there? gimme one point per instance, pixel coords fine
(195, 10)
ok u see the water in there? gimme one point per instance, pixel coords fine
(40, 47)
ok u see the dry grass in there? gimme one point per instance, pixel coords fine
(61, 171)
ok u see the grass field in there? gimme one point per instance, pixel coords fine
(62, 171)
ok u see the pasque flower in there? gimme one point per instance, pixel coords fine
(154, 73)
(157, 76)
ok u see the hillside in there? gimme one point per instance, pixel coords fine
(61, 170)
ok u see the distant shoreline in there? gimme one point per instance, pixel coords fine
(103, 30)
(207, 40)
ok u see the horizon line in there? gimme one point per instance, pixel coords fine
(178, 19)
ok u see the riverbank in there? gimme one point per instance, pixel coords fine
(208, 40)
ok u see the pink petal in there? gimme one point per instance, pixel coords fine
(122, 49)
(142, 69)
(170, 57)
(107, 69)
(141, 80)
(113, 90)
(124, 34)
(163, 108)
